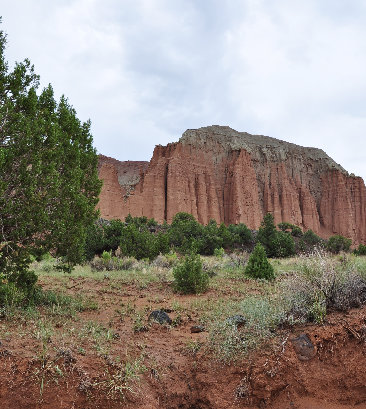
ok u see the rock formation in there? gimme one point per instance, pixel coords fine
(119, 179)
(218, 173)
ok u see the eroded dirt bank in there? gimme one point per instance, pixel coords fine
(274, 377)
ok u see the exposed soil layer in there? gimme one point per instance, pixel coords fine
(278, 376)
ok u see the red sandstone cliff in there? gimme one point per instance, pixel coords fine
(218, 173)
(119, 178)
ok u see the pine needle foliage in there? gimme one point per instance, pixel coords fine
(258, 265)
(189, 278)
(49, 184)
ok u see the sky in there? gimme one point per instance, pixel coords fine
(144, 71)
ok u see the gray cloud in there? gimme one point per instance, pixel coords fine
(146, 70)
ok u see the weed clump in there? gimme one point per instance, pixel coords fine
(165, 260)
(323, 284)
(258, 265)
(238, 260)
(111, 263)
(319, 285)
(262, 317)
(189, 277)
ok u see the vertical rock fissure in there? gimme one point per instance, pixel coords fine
(196, 195)
(166, 192)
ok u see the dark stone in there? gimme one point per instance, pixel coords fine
(197, 328)
(5, 352)
(304, 348)
(160, 316)
(154, 373)
(67, 355)
(237, 320)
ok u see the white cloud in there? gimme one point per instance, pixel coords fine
(299, 76)
(145, 70)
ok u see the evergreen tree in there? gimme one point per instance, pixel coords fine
(186, 233)
(338, 243)
(276, 243)
(49, 185)
(267, 235)
(258, 265)
(189, 278)
(241, 234)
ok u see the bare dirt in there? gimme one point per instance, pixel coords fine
(68, 370)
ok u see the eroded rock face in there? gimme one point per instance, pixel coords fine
(232, 177)
(119, 178)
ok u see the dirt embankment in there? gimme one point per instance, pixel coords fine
(328, 373)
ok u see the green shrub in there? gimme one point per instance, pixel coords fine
(310, 238)
(361, 250)
(13, 295)
(288, 227)
(284, 226)
(106, 256)
(283, 245)
(151, 223)
(185, 233)
(296, 231)
(113, 232)
(219, 252)
(172, 258)
(142, 244)
(161, 244)
(102, 236)
(189, 277)
(226, 236)
(211, 239)
(275, 243)
(338, 243)
(141, 222)
(309, 241)
(258, 265)
(10, 294)
(241, 234)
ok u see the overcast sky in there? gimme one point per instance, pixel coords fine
(144, 71)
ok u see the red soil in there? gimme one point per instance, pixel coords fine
(272, 377)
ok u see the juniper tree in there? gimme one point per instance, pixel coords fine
(48, 173)
(258, 265)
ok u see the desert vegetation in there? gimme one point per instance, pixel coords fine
(105, 308)
(49, 184)
(144, 238)
(219, 307)
(101, 315)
